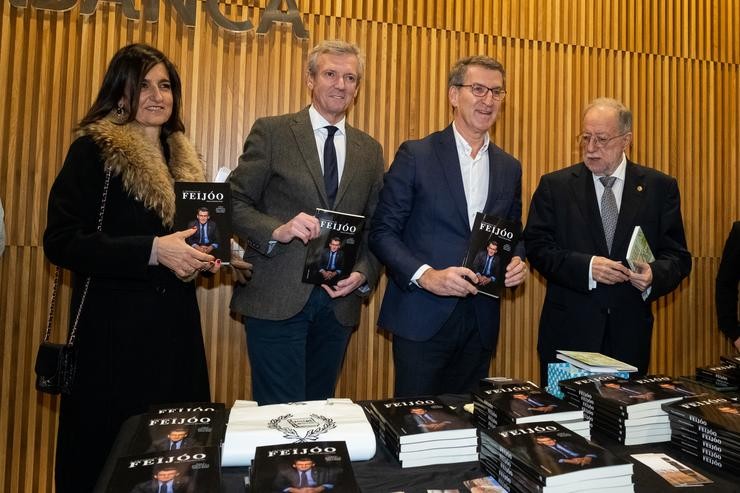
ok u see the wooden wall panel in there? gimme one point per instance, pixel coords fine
(675, 63)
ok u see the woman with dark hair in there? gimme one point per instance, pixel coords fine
(138, 338)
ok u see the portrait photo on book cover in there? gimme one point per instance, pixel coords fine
(308, 473)
(177, 437)
(165, 477)
(332, 262)
(207, 237)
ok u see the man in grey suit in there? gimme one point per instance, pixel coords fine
(297, 333)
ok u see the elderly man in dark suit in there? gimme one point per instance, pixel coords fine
(580, 222)
(297, 333)
(443, 334)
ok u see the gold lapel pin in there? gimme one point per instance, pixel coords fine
(639, 188)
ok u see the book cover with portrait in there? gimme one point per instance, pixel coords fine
(491, 247)
(205, 206)
(187, 471)
(331, 256)
(309, 465)
(173, 431)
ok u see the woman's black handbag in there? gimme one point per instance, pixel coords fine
(56, 364)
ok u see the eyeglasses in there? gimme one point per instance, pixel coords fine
(480, 91)
(599, 141)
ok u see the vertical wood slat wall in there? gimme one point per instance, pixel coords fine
(675, 63)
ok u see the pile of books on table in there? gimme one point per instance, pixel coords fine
(707, 427)
(548, 458)
(315, 466)
(725, 376)
(175, 448)
(421, 431)
(500, 402)
(627, 411)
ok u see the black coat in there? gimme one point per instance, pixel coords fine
(139, 337)
(564, 231)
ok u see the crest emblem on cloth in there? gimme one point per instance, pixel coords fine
(301, 429)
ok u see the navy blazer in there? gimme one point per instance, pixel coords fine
(422, 218)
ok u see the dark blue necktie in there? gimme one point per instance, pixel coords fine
(162, 488)
(331, 173)
(303, 482)
(331, 260)
(488, 271)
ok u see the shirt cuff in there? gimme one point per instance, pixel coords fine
(646, 293)
(419, 272)
(591, 282)
(153, 254)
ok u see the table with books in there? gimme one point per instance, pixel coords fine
(384, 473)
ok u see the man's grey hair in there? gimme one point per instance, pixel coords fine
(458, 71)
(623, 113)
(335, 47)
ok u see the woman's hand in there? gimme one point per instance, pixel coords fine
(181, 258)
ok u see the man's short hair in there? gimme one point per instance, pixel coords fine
(335, 238)
(458, 71)
(492, 242)
(335, 47)
(202, 209)
(623, 113)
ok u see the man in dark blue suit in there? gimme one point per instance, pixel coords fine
(443, 334)
(580, 222)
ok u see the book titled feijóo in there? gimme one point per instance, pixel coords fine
(195, 469)
(331, 256)
(491, 247)
(159, 432)
(205, 206)
(325, 466)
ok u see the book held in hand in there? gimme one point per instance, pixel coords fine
(491, 247)
(638, 249)
(331, 256)
(205, 206)
(195, 469)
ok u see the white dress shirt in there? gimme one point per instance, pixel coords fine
(475, 173)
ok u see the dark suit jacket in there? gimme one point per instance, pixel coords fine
(164, 444)
(288, 477)
(338, 261)
(564, 231)
(479, 263)
(422, 218)
(279, 175)
(180, 485)
(211, 230)
(726, 291)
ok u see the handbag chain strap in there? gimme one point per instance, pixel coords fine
(52, 305)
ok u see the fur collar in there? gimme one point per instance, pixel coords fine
(145, 174)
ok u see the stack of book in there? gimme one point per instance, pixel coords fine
(725, 376)
(315, 466)
(708, 428)
(546, 457)
(627, 411)
(421, 431)
(510, 402)
(175, 447)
